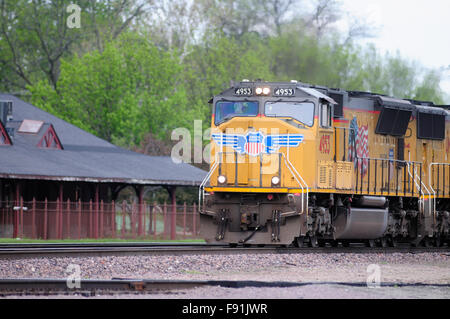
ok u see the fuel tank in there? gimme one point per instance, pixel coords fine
(360, 223)
(371, 201)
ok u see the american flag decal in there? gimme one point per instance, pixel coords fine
(362, 148)
(358, 146)
(256, 143)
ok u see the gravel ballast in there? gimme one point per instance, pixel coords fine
(397, 268)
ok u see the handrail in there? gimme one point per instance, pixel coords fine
(302, 186)
(389, 161)
(434, 193)
(298, 178)
(201, 192)
(431, 187)
(443, 180)
(426, 188)
(418, 186)
(417, 180)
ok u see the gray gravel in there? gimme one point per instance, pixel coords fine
(400, 268)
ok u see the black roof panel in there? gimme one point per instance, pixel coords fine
(85, 157)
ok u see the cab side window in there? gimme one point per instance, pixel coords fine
(325, 115)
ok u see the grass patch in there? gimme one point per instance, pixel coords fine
(92, 240)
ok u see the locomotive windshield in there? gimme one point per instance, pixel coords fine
(226, 110)
(300, 111)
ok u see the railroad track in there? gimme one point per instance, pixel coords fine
(124, 249)
(92, 287)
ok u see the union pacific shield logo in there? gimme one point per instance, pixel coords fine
(256, 143)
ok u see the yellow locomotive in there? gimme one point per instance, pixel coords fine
(302, 164)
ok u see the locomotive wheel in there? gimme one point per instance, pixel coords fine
(345, 243)
(417, 242)
(370, 243)
(232, 245)
(428, 242)
(299, 242)
(438, 242)
(392, 242)
(322, 243)
(383, 242)
(313, 242)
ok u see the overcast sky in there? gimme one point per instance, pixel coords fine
(418, 29)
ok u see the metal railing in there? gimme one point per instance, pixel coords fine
(420, 185)
(386, 176)
(439, 178)
(302, 185)
(201, 191)
(80, 220)
(397, 178)
(294, 172)
(433, 168)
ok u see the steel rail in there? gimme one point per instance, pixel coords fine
(89, 287)
(36, 286)
(128, 250)
(104, 244)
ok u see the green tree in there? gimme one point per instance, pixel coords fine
(35, 36)
(130, 89)
(429, 88)
(399, 77)
(212, 66)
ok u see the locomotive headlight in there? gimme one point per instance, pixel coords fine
(262, 91)
(221, 179)
(275, 181)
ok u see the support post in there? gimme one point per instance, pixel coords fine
(21, 217)
(79, 218)
(154, 219)
(173, 217)
(194, 222)
(113, 220)
(57, 219)
(61, 203)
(123, 219)
(16, 212)
(140, 207)
(33, 219)
(96, 211)
(184, 220)
(133, 219)
(68, 218)
(45, 218)
(165, 219)
(101, 219)
(90, 219)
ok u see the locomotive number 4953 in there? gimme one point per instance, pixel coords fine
(243, 91)
(284, 92)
